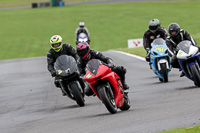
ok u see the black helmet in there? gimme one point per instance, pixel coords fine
(173, 29)
(153, 25)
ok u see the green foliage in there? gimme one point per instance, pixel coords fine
(26, 32)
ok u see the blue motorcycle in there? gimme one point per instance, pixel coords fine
(82, 38)
(160, 59)
(189, 60)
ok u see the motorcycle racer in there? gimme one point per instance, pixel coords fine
(154, 31)
(57, 49)
(85, 54)
(82, 29)
(176, 35)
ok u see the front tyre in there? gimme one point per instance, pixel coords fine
(107, 100)
(77, 94)
(164, 72)
(195, 74)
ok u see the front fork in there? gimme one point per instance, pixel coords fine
(110, 90)
(162, 60)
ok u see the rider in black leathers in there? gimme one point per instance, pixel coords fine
(176, 35)
(85, 54)
(57, 49)
(154, 31)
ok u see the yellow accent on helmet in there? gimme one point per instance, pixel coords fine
(56, 39)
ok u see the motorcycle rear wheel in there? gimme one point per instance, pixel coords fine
(77, 94)
(107, 100)
(195, 74)
(126, 105)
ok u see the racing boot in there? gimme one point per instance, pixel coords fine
(182, 74)
(63, 93)
(122, 76)
(57, 84)
(126, 87)
(150, 65)
(88, 91)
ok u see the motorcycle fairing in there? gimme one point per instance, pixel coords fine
(186, 50)
(159, 54)
(65, 65)
(104, 75)
(187, 56)
(93, 70)
(82, 37)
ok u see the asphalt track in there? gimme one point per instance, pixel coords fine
(29, 102)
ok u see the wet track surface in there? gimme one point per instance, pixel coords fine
(29, 102)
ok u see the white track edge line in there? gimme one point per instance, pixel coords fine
(128, 54)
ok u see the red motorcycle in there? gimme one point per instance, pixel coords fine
(107, 86)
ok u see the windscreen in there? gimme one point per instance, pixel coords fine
(184, 46)
(65, 62)
(93, 66)
(158, 41)
(82, 35)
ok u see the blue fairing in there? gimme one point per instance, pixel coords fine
(159, 50)
(185, 63)
(82, 37)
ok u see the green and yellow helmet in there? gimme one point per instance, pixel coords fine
(56, 42)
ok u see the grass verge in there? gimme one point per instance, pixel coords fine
(195, 129)
(26, 32)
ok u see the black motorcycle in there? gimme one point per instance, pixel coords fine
(70, 81)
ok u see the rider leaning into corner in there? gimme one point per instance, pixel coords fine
(82, 29)
(85, 54)
(57, 49)
(176, 35)
(155, 31)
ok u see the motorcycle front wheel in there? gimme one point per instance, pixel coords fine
(164, 71)
(195, 74)
(109, 102)
(76, 92)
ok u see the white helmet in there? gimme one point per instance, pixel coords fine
(81, 24)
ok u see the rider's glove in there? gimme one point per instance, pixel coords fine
(147, 49)
(82, 76)
(111, 65)
(147, 58)
(53, 73)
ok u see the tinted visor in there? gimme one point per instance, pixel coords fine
(153, 27)
(172, 32)
(82, 52)
(56, 45)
